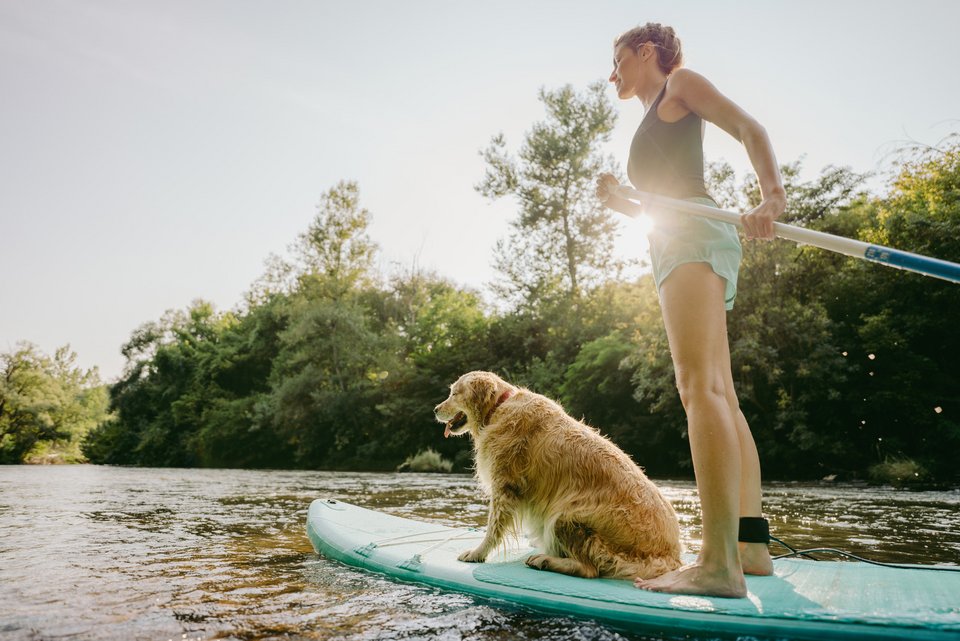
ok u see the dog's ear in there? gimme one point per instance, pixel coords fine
(483, 394)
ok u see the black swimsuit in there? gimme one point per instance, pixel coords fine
(667, 157)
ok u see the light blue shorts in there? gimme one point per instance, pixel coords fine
(677, 239)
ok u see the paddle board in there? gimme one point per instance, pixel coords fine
(804, 599)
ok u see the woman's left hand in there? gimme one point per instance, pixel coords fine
(758, 222)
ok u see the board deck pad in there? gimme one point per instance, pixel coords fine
(804, 599)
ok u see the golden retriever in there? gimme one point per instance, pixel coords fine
(577, 495)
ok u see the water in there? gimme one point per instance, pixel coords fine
(114, 553)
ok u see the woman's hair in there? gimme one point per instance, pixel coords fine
(664, 40)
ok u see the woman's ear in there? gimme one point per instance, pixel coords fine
(643, 51)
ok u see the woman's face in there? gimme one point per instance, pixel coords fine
(626, 68)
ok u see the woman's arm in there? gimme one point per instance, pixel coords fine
(698, 95)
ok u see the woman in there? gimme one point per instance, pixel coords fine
(695, 263)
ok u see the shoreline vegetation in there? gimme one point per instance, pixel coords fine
(845, 369)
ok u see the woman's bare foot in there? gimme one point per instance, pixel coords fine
(755, 559)
(697, 579)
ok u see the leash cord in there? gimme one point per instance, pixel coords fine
(806, 553)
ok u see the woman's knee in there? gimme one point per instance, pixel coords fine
(730, 389)
(697, 387)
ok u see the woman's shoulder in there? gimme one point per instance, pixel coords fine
(680, 93)
(687, 89)
(685, 79)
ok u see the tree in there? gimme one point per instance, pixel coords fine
(440, 331)
(787, 366)
(336, 251)
(898, 330)
(46, 401)
(839, 364)
(562, 240)
(324, 379)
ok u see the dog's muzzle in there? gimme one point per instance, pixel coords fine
(454, 424)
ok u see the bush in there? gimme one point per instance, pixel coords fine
(902, 472)
(425, 461)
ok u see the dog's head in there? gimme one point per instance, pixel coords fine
(472, 399)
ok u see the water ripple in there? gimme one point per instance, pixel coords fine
(106, 553)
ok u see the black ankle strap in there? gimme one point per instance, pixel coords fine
(754, 529)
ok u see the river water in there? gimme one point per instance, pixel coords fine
(121, 553)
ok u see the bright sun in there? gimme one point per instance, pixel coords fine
(632, 241)
(644, 224)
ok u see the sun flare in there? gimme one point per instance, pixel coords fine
(631, 243)
(644, 224)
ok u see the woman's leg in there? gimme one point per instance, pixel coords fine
(754, 557)
(692, 302)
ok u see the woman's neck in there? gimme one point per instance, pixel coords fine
(648, 94)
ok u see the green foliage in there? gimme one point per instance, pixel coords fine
(899, 329)
(47, 405)
(599, 387)
(335, 253)
(841, 366)
(562, 239)
(325, 381)
(426, 460)
(899, 473)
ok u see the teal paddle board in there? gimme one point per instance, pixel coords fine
(804, 599)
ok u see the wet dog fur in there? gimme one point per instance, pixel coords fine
(579, 498)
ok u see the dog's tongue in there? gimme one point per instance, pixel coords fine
(454, 423)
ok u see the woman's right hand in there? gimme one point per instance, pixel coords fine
(606, 182)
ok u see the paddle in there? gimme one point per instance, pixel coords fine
(858, 249)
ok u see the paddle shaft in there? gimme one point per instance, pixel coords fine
(858, 249)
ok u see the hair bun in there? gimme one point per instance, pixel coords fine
(663, 38)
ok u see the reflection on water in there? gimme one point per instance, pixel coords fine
(109, 553)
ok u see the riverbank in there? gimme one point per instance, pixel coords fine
(898, 475)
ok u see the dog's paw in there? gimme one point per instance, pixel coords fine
(472, 556)
(537, 561)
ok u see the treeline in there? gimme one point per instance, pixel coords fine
(47, 405)
(842, 366)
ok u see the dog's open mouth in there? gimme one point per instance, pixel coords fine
(454, 425)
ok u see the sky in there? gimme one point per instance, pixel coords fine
(157, 152)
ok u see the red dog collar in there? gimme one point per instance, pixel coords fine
(507, 394)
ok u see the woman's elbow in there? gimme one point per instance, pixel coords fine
(752, 131)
